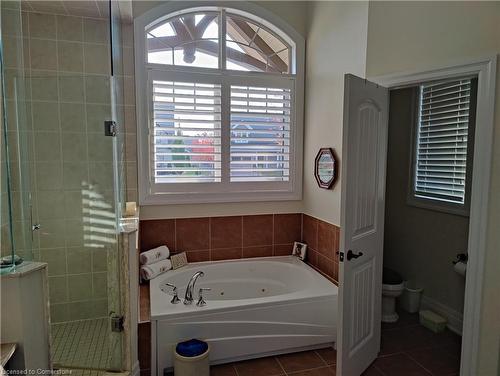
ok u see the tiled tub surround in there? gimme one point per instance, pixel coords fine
(72, 183)
(224, 238)
(234, 237)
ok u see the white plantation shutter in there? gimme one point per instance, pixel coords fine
(443, 130)
(186, 132)
(260, 134)
(222, 124)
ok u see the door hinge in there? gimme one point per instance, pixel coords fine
(110, 128)
(117, 322)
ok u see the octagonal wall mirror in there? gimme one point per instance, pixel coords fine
(325, 168)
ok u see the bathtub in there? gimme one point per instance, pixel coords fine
(256, 307)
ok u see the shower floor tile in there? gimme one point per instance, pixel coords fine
(81, 344)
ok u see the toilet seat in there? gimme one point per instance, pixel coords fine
(388, 287)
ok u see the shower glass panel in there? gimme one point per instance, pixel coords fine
(16, 132)
(66, 176)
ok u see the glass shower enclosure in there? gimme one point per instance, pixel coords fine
(62, 170)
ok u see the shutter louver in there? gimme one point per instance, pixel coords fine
(441, 156)
(260, 134)
(186, 139)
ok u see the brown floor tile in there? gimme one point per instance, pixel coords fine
(454, 349)
(372, 371)
(300, 361)
(405, 319)
(399, 365)
(329, 355)
(406, 339)
(223, 370)
(447, 338)
(323, 371)
(260, 367)
(436, 361)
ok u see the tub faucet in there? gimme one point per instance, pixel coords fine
(188, 297)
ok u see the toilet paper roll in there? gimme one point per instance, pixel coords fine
(461, 268)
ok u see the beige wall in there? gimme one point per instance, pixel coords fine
(336, 44)
(411, 36)
(294, 14)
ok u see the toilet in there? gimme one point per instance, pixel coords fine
(392, 287)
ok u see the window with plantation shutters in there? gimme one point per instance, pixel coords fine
(444, 129)
(186, 137)
(220, 108)
(260, 134)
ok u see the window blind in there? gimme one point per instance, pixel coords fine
(260, 134)
(441, 157)
(186, 139)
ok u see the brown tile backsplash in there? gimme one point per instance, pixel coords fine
(322, 239)
(192, 234)
(157, 232)
(226, 232)
(287, 228)
(234, 237)
(257, 230)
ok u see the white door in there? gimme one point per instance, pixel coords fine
(364, 152)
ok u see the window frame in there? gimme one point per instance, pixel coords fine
(433, 203)
(151, 193)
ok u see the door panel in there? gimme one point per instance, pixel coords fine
(363, 188)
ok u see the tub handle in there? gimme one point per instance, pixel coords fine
(201, 301)
(175, 298)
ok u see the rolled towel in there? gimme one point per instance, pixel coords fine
(152, 270)
(154, 255)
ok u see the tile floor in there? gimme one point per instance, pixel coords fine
(81, 344)
(408, 349)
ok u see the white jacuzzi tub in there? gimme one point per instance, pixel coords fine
(257, 307)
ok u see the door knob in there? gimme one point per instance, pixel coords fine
(351, 255)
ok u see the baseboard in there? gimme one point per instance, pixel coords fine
(455, 318)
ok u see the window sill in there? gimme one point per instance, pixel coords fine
(214, 198)
(454, 209)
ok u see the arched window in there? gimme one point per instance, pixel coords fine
(220, 106)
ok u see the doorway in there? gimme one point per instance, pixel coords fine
(429, 170)
(354, 98)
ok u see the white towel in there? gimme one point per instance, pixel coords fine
(152, 270)
(154, 255)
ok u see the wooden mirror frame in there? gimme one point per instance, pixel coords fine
(329, 184)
